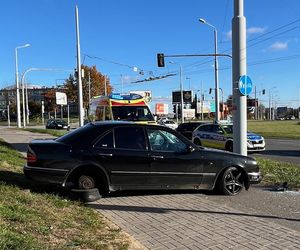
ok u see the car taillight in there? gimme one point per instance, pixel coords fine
(31, 157)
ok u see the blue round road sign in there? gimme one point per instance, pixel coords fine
(245, 85)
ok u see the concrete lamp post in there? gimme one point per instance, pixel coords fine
(217, 117)
(18, 87)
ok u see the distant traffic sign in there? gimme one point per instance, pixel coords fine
(245, 85)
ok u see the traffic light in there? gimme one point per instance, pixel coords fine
(174, 109)
(263, 91)
(76, 73)
(160, 60)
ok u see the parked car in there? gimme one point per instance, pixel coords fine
(114, 156)
(57, 124)
(290, 117)
(168, 123)
(220, 136)
(187, 128)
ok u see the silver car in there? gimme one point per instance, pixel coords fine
(220, 136)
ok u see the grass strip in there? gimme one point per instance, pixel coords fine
(276, 129)
(34, 217)
(276, 172)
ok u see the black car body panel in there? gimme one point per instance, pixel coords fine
(133, 156)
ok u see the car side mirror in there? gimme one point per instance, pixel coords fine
(190, 149)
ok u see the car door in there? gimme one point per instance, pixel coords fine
(217, 137)
(173, 164)
(203, 132)
(123, 152)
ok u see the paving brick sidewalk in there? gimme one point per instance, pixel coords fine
(190, 221)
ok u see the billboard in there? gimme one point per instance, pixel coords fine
(187, 97)
(189, 113)
(161, 109)
(61, 98)
(204, 108)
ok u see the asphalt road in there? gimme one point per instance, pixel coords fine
(282, 150)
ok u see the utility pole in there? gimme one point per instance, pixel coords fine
(18, 91)
(79, 80)
(239, 69)
(255, 104)
(89, 86)
(181, 94)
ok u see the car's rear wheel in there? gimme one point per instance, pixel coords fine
(197, 141)
(231, 181)
(89, 186)
(86, 182)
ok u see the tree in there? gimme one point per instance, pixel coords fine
(50, 100)
(96, 86)
(34, 108)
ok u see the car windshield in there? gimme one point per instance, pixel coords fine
(132, 113)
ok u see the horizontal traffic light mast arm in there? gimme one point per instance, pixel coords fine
(198, 55)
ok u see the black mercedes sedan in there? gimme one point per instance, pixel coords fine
(116, 155)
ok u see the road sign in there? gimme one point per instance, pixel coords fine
(245, 85)
(61, 98)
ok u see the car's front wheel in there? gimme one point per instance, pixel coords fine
(229, 146)
(231, 181)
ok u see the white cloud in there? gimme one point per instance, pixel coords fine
(228, 35)
(250, 31)
(255, 30)
(277, 46)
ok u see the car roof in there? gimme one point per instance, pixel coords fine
(87, 132)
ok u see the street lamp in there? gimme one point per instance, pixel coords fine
(181, 90)
(23, 84)
(217, 118)
(17, 85)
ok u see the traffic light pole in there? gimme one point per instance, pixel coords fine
(181, 94)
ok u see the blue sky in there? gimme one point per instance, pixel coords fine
(128, 34)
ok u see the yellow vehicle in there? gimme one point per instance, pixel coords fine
(122, 107)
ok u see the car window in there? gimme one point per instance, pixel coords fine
(216, 129)
(205, 128)
(161, 140)
(130, 138)
(106, 141)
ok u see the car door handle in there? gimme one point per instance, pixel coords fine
(103, 154)
(157, 157)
